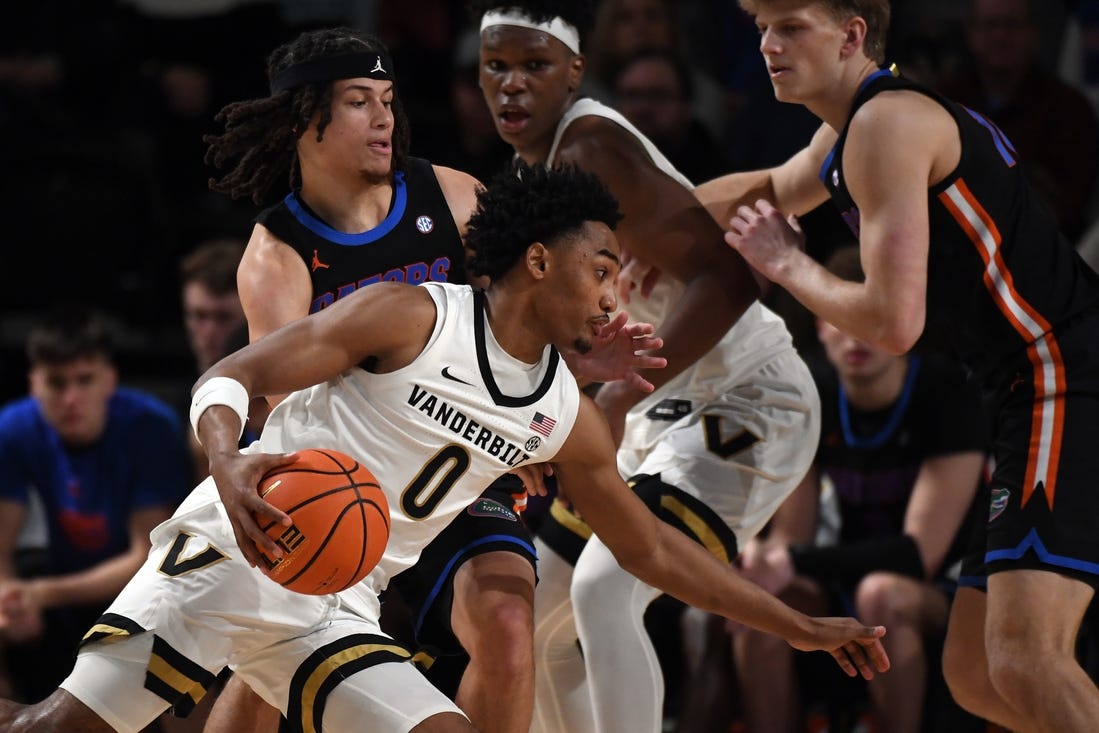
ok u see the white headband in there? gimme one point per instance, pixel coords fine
(559, 28)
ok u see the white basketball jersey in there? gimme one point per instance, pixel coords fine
(753, 341)
(438, 431)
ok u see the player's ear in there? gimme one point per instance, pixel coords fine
(576, 71)
(854, 37)
(537, 254)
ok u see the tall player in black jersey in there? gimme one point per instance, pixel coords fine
(362, 211)
(951, 233)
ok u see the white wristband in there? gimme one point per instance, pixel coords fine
(220, 391)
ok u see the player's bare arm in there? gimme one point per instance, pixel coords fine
(305, 352)
(267, 259)
(668, 559)
(665, 227)
(792, 187)
(889, 183)
(460, 191)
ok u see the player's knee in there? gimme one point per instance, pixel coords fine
(504, 634)
(38, 718)
(886, 599)
(968, 686)
(1014, 670)
(594, 588)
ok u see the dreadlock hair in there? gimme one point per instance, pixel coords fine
(530, 204)
(261, 133)
(580, 13)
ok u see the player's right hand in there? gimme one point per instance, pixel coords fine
(237, 476)
(856, 648)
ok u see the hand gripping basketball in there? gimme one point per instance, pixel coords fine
(340, 522)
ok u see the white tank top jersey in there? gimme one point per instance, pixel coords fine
(438, 431)
(754, 340)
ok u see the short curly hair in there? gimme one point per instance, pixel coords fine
(528, 204)
(580, 13)
(261, 134)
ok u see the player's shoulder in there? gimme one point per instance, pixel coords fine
(898, 109)
(593, 140)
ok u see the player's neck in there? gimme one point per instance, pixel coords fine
(349, 207)
(834, 106)
(515, 321)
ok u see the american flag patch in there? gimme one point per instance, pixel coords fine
(542, 424)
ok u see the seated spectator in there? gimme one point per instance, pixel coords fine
(1051, 124)
(214, 321)
(902, 443)
(902, 447)
(654, 90)
(106, 464)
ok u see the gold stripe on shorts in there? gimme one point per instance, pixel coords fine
(319, 674)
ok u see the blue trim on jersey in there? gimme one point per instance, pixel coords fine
(899, 408)
(1033, 541)
(973, 581)
(823, 173)
(999, 139)
(876, 75)
(318, 227)
(438, 588)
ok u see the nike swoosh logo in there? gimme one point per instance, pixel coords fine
(451, 377)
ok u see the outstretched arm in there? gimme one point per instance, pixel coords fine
(666, 558)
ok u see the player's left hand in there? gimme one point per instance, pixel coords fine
(617, 352)
(857, 649)
(766, 238)
(533, 478)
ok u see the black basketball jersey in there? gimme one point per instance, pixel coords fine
(417, 242)
(1002, 280)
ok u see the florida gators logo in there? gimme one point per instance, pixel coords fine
(998, 504)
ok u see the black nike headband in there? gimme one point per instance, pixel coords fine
(369, 64)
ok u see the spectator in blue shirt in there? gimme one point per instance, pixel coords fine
(107, 464)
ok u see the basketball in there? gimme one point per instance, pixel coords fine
(340, 521)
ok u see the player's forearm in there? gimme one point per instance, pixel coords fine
(722, 196)
(684, 569)
(709, 307)
(851, 307)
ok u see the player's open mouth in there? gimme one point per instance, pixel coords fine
(778, 71)
(513, 119)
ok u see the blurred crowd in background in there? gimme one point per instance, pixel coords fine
(103, 105)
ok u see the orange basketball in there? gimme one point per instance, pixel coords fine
(340, 521)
